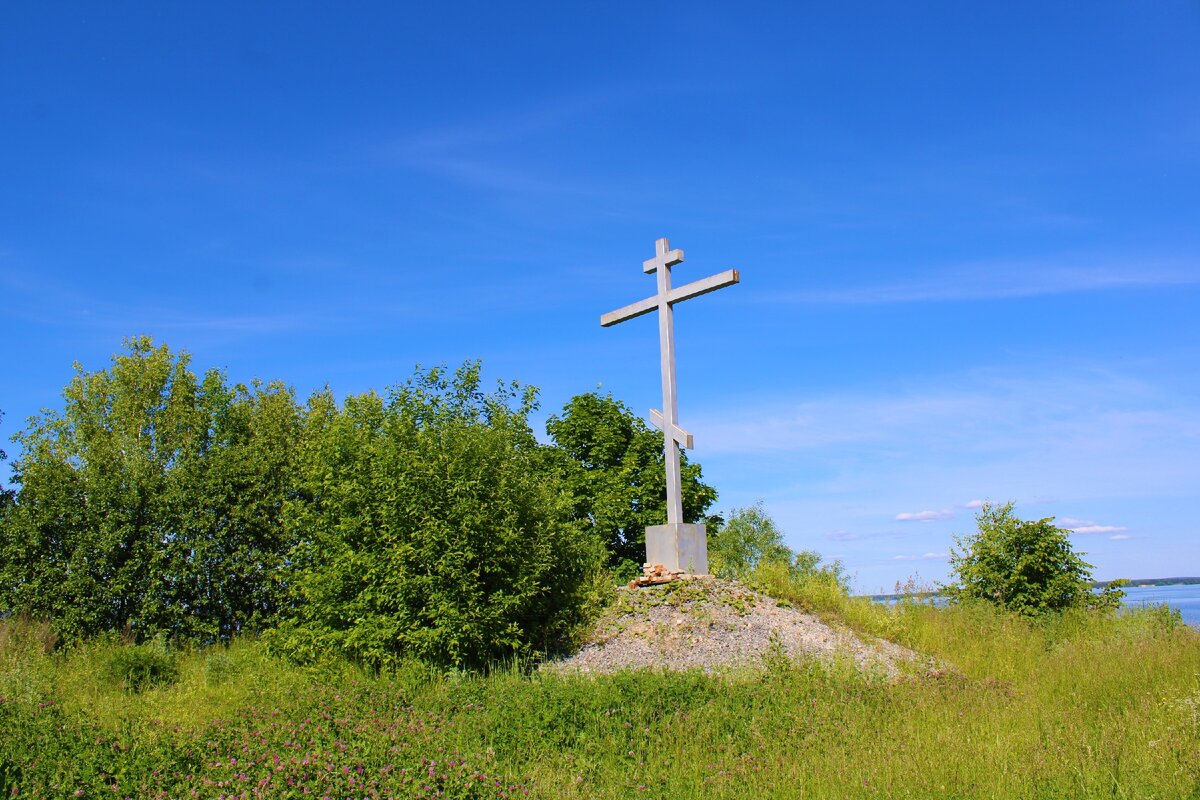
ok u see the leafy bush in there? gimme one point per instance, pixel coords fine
(1024, 566)
(153, 501)
(429, 527)
(136, 668)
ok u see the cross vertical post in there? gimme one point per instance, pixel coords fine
(678, 546)
(666, 345)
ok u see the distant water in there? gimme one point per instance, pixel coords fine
(1182, 596)
(1185, 597)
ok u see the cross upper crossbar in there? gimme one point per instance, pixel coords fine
(667, 259)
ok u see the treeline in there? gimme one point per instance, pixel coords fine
(1151, 582)
(427, 521)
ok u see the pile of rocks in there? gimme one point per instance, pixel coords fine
(656, 574)
(690, 622)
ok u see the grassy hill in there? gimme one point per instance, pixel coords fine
(1079, 706)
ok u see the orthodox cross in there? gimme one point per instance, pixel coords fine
(663, 302)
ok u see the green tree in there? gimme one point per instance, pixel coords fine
(1027, 567)
(231, 544)
(429, 527)
(84, 545)
(747, 538)
(749, 541)
(613, 464)
(150, 502)
(6, 495)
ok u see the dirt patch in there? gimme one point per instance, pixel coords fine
(716, 626)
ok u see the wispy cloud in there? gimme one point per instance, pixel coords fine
(923, 557)
(1098, 529)
(132, 320)
(49, 301)
(493, 174)
(515, 126)
(923, 516)
(1054, 438)
(856, 536)
(1086, 526)
(502, 152)
(1017, 434)
(999, 281)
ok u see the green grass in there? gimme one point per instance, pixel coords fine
(1079, 706)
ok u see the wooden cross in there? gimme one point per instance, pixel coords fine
(664, 301)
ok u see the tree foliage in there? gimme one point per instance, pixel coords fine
(747, 538)
(1029, 567)
(429, 527)
(748, 546)
(7, 496)
(427, 523)
(613, 464)
(151, 502)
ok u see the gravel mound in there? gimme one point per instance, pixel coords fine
(717, 626)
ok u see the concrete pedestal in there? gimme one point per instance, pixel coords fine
(679, 546)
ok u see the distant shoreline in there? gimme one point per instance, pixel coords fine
(1095, 585)
(1151, 582)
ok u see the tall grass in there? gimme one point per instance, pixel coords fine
(1078, 706)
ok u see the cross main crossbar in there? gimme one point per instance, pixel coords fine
(676, 295)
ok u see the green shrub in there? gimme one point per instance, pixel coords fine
(430, 527)
(218, 668)
(1024, 566)
(136, 668)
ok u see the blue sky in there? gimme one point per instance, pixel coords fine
(969, 235)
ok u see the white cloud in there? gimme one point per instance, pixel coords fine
(842, 535)
(1097, 529)
(973, 504)
(1120, 537)
(924, 516)
(923, 557)
(1087, 526)
(1017, 434)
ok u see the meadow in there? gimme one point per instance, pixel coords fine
(1078, 705)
